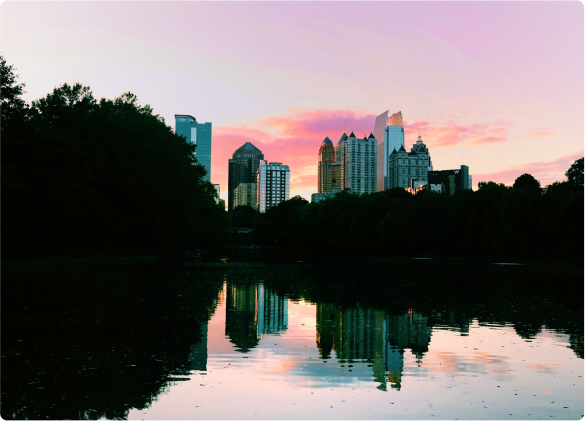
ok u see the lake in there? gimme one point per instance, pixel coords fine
(243, 338)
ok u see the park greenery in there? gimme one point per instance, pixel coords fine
(85, 176)
(82, 176)
(523, 220)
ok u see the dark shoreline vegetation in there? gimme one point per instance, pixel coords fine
(87, 177)
(85, 343)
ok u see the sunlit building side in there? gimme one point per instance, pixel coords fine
(358, 163)
(242, 169)
(389, 132)
(273, 181)
(326, 158)
(245, 195)
(198, 134)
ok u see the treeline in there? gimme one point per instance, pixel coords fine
(83, 176)
(524, 220)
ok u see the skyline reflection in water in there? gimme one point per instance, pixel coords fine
(218, 343)
(271, 357)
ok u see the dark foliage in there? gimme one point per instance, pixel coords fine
(575, 173)
(91, 343)
(495, 220)
(85, 176)
(527, 182)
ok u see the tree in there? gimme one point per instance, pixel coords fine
(12, 106)
(575, 173)
(527, 182)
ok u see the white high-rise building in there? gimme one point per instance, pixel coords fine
(273, 185)
(358, 163)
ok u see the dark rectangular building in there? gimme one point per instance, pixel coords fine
(449, 181)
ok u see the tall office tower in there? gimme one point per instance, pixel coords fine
(358, 163)
(326, 158)
(200, 135)
(245, 195)
(390, 134)
(406, 166)
(242, 169)
(273, 182)
(450, 181)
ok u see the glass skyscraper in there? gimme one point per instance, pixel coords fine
(242, 169)
(200, 135)
(389, 131)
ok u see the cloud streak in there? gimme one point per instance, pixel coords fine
(437, 135)
(294, 140)
(546, 172)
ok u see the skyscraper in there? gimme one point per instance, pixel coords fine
(406, 166)
(358, 163)
(245, 195)
(326, 176)
(389, 131)
(273, 182)
(200, 135)
(242, 169)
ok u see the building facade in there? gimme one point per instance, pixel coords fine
(389, 131)
(242, 169)
(198, 134)
(273, 185)
(406, 166)
(450, 181)
(245, 195)
(326, 159)
(358, 163)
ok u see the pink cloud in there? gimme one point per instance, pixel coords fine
(538, 133)
(546, 172)
(293, 140)
(450, 134)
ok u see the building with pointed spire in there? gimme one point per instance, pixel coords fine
(406, 166)
(358, 163)
(242, 169)
(389, 131)
(326, 178)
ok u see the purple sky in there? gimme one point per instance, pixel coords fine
(497, 86)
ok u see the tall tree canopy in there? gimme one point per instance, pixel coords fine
(527, 182)
(107, 176)
(575, 173)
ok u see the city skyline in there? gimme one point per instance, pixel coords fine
(497, 86)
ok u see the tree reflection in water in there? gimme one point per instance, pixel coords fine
(86, 344)
(93, 343)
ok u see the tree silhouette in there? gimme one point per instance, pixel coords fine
(527, 182)
(575, 173)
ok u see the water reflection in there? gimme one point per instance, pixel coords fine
(98, 348)
(372, 336)
(117, 342)
(252, 311)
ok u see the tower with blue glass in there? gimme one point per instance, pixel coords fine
(200, 135)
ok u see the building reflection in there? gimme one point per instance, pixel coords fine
(373, 337)
(253, 311)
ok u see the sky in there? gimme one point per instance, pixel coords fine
(497, 86)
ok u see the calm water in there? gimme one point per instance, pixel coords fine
(262, 341)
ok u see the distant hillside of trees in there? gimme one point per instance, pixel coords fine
(82, 176)
(523, 220)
